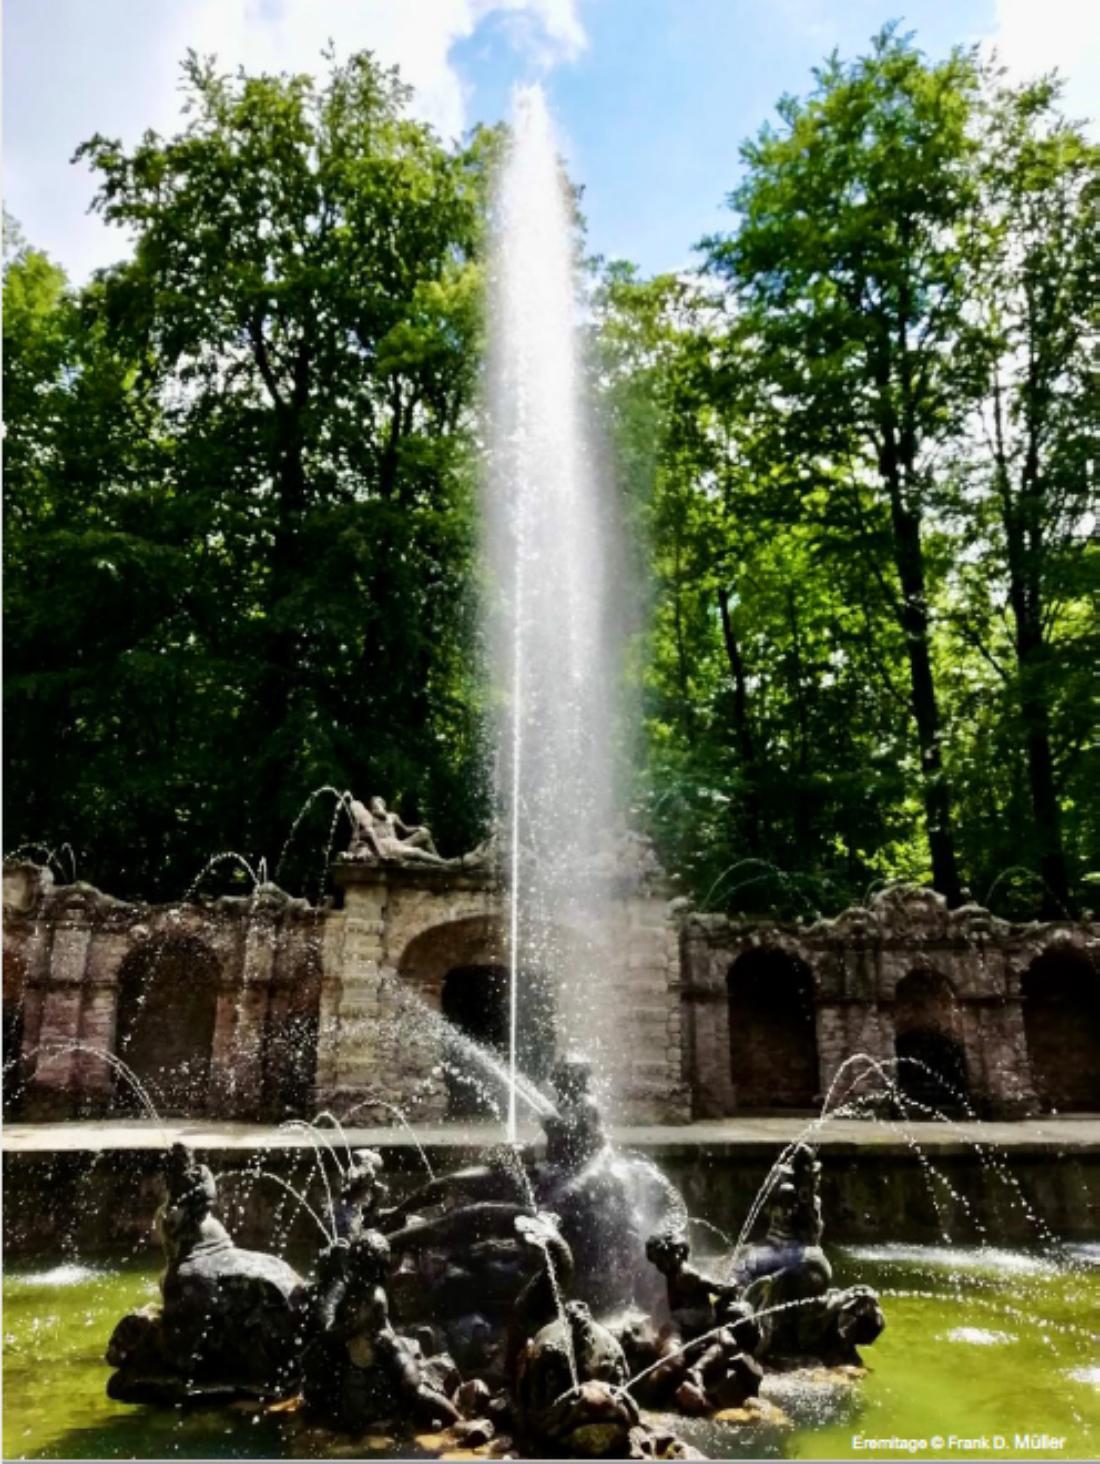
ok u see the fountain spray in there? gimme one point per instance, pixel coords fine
(546, 540)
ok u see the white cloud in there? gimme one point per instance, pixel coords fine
(548, 30)
(417, 35)
(1035, 36)
(73, 68)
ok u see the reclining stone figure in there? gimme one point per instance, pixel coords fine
(379, 834)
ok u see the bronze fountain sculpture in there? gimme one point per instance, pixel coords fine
(539, 1301)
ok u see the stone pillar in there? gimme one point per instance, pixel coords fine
(642, 1016)
(706, 1016)
(996, 1030)
(36, 956)
(328, 1011)
(352, 1063)
(250, 1016)
(98, 1019)
(229, 946)
(54, 1075)
(831, 1031)
(851, 1019)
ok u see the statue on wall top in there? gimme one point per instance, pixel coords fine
(379, 834)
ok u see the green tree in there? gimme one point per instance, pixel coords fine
(1028, 470)
(774, 770)
(88, 566)
(302, 307)
(846, 265)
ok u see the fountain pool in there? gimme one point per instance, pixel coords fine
(955, 1359)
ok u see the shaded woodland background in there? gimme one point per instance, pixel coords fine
(856, 449)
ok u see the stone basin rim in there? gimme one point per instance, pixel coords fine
(708, 1138)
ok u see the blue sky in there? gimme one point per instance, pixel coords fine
(652, 97)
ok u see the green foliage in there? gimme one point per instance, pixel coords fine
(857, 451)
(874, 617)
(242, 559)
(775, 762)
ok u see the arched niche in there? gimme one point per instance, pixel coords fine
(1061, 1002)
(167, 1006)
(773, 1037)
(928, 1041)
(475, 1003)
(459, 969)
(289, 1062)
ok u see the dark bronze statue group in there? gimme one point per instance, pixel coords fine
(533, 1305)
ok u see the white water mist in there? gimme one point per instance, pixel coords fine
(547, 539)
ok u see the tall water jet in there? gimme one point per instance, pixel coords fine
(548, 540)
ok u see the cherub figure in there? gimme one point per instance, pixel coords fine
(360, 1194)
(712, 1335)
(359, 1369)
(697, 1303)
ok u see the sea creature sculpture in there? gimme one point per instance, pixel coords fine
(568, 1387)
(476, 1266)
(786, 1278)
(228, 1320)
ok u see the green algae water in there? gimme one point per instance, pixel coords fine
(999, 1346)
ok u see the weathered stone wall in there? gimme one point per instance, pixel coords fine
(376, 1044)
(72, 946)
(337, 1007)
(363, 983)
(402, 931)
(858, 962)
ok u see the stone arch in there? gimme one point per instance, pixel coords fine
(928, 1040)
(167, 1010)
(1061, 1001)
(460, 969)
(773, 1040)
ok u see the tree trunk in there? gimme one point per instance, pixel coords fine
(267, 816)
(1035, 715)
(802, 810)
(281, 668)
(913, 616)
(1044, 803)
(1024, 542)
(746, 745)
(897, 465)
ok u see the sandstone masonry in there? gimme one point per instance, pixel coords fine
(267, 1007)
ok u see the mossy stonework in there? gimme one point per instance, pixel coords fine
(261, 1006)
